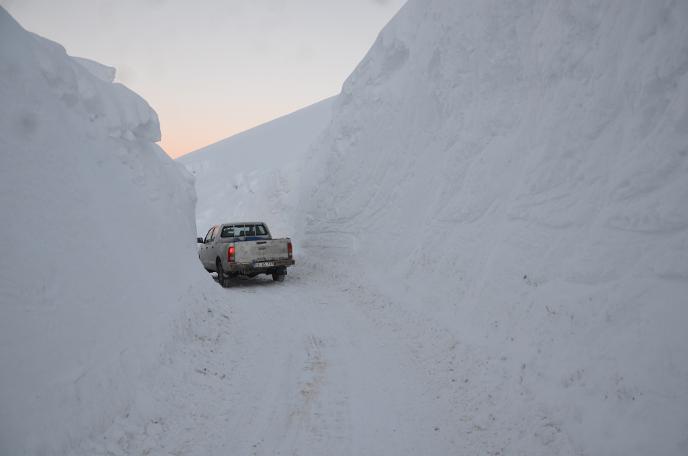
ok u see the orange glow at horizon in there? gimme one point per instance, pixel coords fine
(182, 135)
(211, 71)
(180, 140)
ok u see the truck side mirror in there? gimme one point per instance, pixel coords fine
(199, 240)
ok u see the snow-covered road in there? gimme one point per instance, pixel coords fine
(334, 362)
(291, 368)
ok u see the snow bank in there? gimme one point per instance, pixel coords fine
(521, 168)
(96, 241)
(256, 175)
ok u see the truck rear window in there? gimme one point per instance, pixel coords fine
(243, 230)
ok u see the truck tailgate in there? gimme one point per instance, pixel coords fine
(252, 251)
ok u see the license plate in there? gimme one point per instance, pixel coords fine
(264, 264)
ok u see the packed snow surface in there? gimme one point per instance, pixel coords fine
(256, 175)
(96, 241)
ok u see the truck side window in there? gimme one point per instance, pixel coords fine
(208, 236)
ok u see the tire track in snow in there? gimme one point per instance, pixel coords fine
(302, 408)
(295, 369)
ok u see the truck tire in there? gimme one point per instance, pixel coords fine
(221, 278)
(277, 277)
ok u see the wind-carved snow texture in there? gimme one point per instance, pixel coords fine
(96, 241)
(514, 175)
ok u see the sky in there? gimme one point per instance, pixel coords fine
(214, 68)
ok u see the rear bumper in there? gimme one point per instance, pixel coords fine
(251, 268)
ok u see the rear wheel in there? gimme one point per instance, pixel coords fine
(222, 279)
(277, 277)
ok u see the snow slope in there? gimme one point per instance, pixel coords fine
(255, 175)
(513, 177)
(96, 241)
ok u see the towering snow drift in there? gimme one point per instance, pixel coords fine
(96, 241)
(256, 175)
(522, 169)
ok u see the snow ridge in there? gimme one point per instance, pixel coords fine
(256, 175)
(97, 244)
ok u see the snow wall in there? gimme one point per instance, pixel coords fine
(515, 174)
(257, 174)
(97, 244)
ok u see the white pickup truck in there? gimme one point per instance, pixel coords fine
(247, 249)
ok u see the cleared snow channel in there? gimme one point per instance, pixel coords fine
(301, 367)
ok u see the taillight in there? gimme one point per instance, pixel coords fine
(289, 249)
(230, 254)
